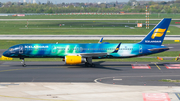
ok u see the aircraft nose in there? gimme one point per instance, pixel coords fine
(6, 53)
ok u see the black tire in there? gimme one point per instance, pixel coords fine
(86, 64)
(24, 65)
(93, 65)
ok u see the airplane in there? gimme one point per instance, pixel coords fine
(77, 53)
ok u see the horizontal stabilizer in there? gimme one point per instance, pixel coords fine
(158, 49)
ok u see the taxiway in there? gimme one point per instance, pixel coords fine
(104, 72)
(54, 81)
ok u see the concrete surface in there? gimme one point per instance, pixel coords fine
(54, 81)
(80, 92)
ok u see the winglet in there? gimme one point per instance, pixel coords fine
(100, 41)
(117, 48)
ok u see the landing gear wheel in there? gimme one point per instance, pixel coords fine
(89, 65)
(92, 65)
(89, 62)
(86, 64)
(23, 62)
(24, 65)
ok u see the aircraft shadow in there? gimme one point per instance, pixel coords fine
(98, 66)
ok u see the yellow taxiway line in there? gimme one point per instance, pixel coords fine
(157, 66)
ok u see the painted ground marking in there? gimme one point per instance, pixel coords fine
(156, 97)
(172, 66)
(140, 66)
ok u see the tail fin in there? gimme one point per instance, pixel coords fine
(157, 34)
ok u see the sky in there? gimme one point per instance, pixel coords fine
(84, 1)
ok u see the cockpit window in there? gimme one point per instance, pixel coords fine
(11, 49)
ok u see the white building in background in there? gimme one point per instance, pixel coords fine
(98, 2)
(24, 1)
(34, 1)
(29, 1)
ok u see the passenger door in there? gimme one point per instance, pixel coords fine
(140, 49)
(53, 50)
(20, 49)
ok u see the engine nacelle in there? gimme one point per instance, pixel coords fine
(72, 60)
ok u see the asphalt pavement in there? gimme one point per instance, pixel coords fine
(104, 72)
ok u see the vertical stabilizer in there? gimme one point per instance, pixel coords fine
(157, 34)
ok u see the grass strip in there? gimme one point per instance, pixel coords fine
(78, 28)
(103, 16)
(169, 80)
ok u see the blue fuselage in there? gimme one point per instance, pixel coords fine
(62, 50)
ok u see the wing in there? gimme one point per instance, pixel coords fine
(100, 53)
(93, 54)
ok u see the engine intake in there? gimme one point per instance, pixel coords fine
(72, 60)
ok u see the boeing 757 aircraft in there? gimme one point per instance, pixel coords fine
(78, 53)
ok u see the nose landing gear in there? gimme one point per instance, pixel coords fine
(23, 62)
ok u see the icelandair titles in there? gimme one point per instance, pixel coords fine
(36, 46)
(152, 41)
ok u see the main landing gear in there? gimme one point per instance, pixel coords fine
(23, 62)
(89, 62)
(89, 65)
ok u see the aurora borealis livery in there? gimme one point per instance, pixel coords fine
(62, 50)
(84, 53)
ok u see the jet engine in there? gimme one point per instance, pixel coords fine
(72, 60)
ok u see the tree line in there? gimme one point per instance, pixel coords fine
(132, 6)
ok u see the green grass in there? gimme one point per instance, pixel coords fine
(83, 28)
(167, 54)
(76, 28)
(138, 16)
(169, 80)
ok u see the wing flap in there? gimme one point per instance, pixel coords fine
(99, 53)
(92, 54)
